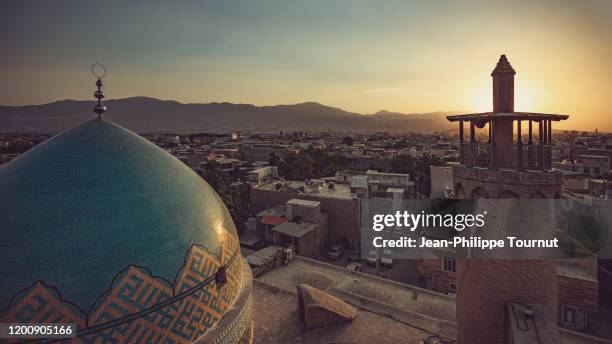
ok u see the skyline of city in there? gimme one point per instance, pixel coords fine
(361, 58)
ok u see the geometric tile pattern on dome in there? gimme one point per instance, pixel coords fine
(157, 310)
(82, 206)
(241, 329)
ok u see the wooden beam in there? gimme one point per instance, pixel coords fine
(472, 145)
(541, 148)
(461, 142)
(530, 132)
(519, 145)
(492, 163)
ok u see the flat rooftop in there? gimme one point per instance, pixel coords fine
(379, 173)
(593, 156)
(294, 229)
(576, 272)
(282, 324)
(304, 203)
(322, 190)
(390, 312)
(277, 210)
(359, 182)
(395, 190)
(263, 256)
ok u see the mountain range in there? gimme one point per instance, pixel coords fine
(149, 115)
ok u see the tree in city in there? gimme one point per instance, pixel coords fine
(297, 166)
(325, 164)
(212, 173)
(238, 201)
(236, 197)
(311, 163)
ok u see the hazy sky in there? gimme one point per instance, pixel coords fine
(362, 56)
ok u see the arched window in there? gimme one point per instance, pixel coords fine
(538, 195)
(459, 191)
(479, 193)
(507, 194)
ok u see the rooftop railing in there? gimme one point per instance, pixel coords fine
(521, 157)
(507, 176)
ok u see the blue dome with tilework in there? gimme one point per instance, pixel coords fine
(98, 215)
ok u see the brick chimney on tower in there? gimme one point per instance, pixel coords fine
(503, 102)
(503, 86)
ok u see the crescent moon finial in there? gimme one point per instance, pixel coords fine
(99, 71)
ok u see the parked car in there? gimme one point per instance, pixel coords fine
(335, 252)
(354, 266)
(354, 256)
(386, 258)
(371, 258)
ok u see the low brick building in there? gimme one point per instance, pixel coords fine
(341, 206)
(300, 225)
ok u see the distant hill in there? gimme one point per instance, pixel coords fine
(149, 115)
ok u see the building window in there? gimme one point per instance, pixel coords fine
(449, 264)
(574, 318)
(568, 315)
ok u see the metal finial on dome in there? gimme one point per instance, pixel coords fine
(99, 71)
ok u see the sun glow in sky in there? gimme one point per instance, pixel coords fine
(362, 56)
(482, 99)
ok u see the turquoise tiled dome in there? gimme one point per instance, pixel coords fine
(78, 209)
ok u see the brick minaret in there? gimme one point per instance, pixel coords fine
(502, 163)
(503, 86)
(503, 102)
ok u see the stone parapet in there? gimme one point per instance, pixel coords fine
(507, 176)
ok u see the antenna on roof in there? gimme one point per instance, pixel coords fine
(99, 71)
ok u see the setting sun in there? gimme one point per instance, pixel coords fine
(482, 100)
(523, 99)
